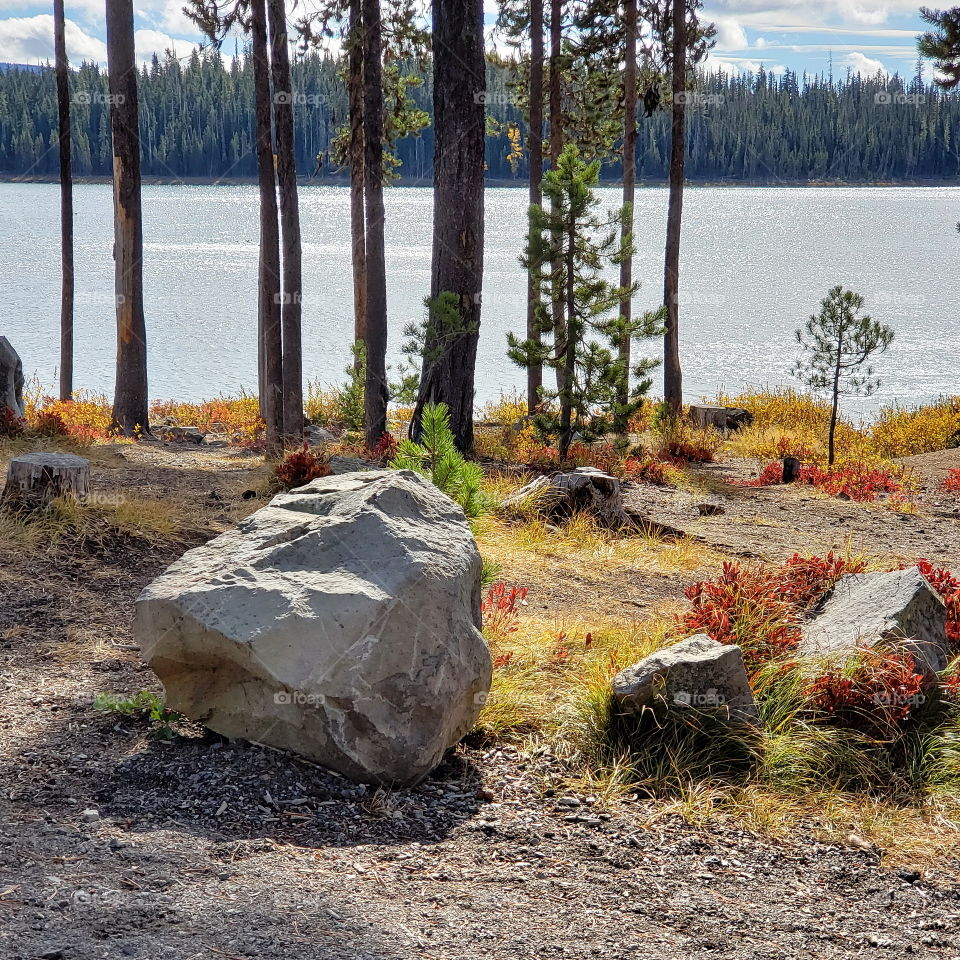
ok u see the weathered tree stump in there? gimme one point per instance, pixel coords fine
(725, 419)
(35, 479)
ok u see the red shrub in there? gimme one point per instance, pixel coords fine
(642, 470)
(299, 467)
(499, 609)
(50, 424)
(761, 610)
(385, 450)
(804, 580)
(11, 426)
(948, 586)
(770, 475)
(744, 607)
(952, 482)
(879, 688)
(855, 481)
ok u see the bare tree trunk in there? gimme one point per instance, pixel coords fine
(556, 146)
(375, 388)
(292, 297)
(357, 225)
(66, 203)
(672, 374)
(573, 337)
(535, 370)
(130, 411)
(459, 77)
(268, 301)
(629, 192)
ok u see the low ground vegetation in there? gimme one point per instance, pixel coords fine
(868, 746)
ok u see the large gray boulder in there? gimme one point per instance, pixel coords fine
(341, 622)
(698, 672)
(563, 494)
(11, 378)
(898, 609)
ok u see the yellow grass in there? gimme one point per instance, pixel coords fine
(788, 422)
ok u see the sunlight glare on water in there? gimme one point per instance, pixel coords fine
(756, 262)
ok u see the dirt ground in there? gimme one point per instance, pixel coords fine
(116, 844)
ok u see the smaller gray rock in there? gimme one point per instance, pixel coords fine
(898, 608)
(340, 465)
(178, 434)
(90, 815)
(315, 436)
(699, 672)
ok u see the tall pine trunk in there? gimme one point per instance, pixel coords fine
(130, 411)
(358, 252)
(292, 296)
(375, 395)
(66, 203)
(556, 146)
(629, 191)
(268, 299)
(459, 77)
(672, 375)
(534, 288)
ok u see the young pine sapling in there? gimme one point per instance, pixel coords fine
(837, 343)
(569, 247)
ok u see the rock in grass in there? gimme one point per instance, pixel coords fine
(340, 622)
(698, 672)
(899, 609)
(178, 434)
(560, 495)
(11, 379)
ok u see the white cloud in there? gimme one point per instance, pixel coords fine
(150, 42)
(730, 35)
(760, 43)
(30, 40)
(172, 19)
(865, 66)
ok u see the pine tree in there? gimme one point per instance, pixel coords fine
(837, 342)
(570, 232)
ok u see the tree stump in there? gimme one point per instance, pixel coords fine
(35, 479)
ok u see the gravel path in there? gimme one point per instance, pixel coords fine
(116, 844)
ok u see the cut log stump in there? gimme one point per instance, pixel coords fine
(35, 479)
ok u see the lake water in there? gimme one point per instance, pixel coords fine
(756, 262)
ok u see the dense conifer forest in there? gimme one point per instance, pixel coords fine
(196, 119)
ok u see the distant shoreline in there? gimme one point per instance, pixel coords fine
(518, 184)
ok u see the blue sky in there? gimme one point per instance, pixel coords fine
(863, 35)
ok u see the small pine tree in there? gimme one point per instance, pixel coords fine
(569, 247)
(436, 457)
(837, 342)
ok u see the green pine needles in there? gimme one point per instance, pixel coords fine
(837, 342)
(569, 247)
(437, 458)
